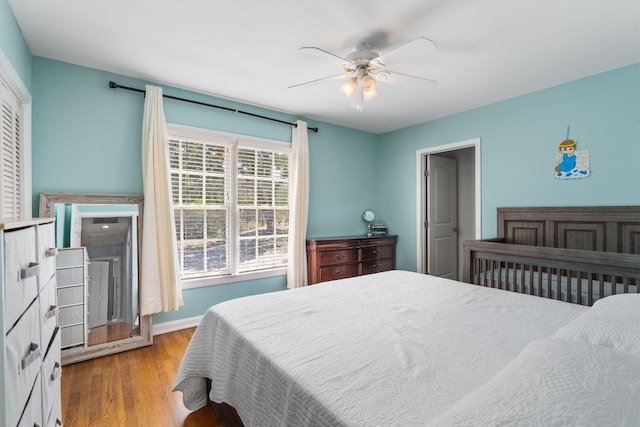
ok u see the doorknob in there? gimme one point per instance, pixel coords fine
(455, 229)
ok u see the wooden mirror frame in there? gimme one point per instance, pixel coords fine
(73, 355)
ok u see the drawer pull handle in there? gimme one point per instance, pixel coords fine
(375, 266)
(340, 272)
(30, 271)
(339, 256)
(53, 309)
(50, 252)
(375, 252)
(57, 370)
(34, 353)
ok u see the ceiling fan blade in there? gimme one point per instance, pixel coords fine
(396, 77)
(323, 54)
(414, 48)
(316, 81)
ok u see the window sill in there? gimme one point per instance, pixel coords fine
(200, 282)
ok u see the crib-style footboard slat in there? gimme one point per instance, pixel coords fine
(575, 276)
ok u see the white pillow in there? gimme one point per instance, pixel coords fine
(613, 322)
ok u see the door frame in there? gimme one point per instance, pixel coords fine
(421, 202)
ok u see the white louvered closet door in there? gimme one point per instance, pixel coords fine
(11, 156)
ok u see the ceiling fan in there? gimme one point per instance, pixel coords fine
(364, 67)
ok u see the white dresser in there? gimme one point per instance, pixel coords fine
(30, 365)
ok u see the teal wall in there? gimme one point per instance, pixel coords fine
(87, 138)
(13, 44)
(519, 140)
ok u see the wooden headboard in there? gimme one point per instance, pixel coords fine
(591, 228)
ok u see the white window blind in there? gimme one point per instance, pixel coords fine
(231, 203)
(11, 155)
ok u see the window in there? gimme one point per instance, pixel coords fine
(12, 189)
(230, 200)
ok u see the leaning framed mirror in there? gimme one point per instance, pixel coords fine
(99, 240)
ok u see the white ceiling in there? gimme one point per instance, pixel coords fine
(247, 51)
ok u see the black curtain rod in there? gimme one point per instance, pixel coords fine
(114, 85)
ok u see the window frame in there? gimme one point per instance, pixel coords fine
(236, 141)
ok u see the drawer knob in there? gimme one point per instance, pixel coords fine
(375, 252)
(339, 256)
(53, 309)
(34, 353)
(50, 252)
(30, 271)
(57, 370)
(375, 266)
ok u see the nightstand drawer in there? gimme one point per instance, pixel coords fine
(377, 252)
(369, 267)
(341, 256)
(338, 272)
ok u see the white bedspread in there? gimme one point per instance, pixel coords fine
(394, 348)
(556, 383)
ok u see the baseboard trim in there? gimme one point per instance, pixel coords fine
(175, 325)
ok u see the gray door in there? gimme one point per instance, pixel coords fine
(442, 217)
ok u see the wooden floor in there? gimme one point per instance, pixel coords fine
(132, 388)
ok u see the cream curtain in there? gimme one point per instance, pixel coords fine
(298, 207)
(160, 288)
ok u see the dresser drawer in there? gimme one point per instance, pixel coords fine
(24, 357)
(338, 256)
(48, 312)
(32, 415)
(48, 252)
(55, 416)
(338, 272)
(21, 269)
(71, 276)
(377, 252)
(51, 373)
(71, 295)
(71, 336)
(70, 257)
(369, 267)
(71, 314)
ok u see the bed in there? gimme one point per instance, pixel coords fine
(408, 349)
(573, 254)
(402, 348)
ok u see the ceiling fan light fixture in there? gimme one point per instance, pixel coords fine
(349, 87)
(369, 94)
(368, 83)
